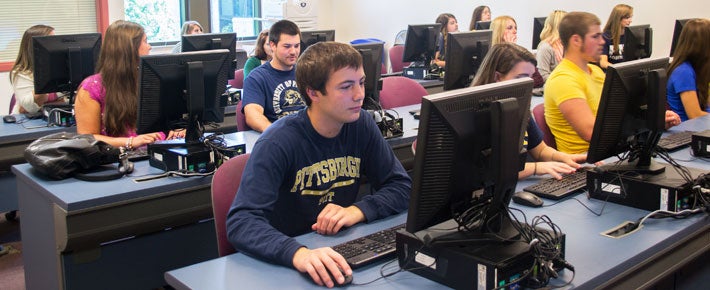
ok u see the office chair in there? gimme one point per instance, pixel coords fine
(238, 81)
(539, 115)
(401, 37)
(395, 55)
(12, 103)
(241, 58)
(225, 184)
(398, 91)
(241, 119)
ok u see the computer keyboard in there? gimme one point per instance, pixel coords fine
(369, 249)
(675, 141)
(138, 154)
(552, 188)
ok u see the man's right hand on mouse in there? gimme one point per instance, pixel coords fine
(317, 263)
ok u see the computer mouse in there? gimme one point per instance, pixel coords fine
(9, 119)
(348, 278)
(527, 199)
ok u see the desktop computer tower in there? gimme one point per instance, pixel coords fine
(664, 191)
(472, 265)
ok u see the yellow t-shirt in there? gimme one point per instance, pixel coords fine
(568, 82)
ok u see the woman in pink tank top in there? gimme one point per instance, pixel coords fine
(106, 103)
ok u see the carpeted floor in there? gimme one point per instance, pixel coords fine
(12, 269)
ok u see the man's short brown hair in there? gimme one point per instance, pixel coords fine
(576, 23)
(319, 61)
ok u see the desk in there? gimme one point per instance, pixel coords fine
(644, 258)
(14, 138)
(119, 234)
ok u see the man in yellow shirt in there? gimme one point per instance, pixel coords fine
(573, 90)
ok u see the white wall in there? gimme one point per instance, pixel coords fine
(358, 19)
(382, 19)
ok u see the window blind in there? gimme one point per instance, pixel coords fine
(66, 16)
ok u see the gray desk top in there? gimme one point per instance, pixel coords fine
(73, 194)
(596, 258)
(27, 130)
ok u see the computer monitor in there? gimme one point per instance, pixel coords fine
(210, 41)
(538, 25)
(62, 62)
(679, 23)
(464, 53)
(311, 37)
(182, 91)
(482, 25)
(420, 44)
(639, 42)
(372, 65)
(468, 156)
(631, 115)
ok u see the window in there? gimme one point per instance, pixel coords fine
(66, 16)
(159, 18)
(240, 16)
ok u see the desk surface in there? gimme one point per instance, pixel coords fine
(596, 258)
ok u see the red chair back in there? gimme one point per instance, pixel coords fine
(238, 81)
(395, 55)
(241, 119)
(539, 115)
(398, 91)
(225, 184)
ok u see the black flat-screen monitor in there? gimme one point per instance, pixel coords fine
(464, 53)
(639, 42)
(372, 65)
(468, 156)
(482, 25)
(631, 115)
(538, 25)
(679, 23)
(420, 44)
(311, 37)
(182, 91)
(210, 41)
(62, 62)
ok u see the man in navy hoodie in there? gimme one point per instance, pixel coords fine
(305, 170)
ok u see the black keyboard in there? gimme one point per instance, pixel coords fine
(369, 249)
(675, 141)
(555, 189)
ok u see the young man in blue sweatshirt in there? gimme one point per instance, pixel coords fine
(305, 170)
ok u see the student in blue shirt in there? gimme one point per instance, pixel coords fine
(305, 170)
(689, 73)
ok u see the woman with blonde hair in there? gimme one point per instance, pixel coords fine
(504, 29)
(262, 53)
(481, 13)
(22, 74)
(613, 33)
(550, 50)
(107, 102)
(507, 61)
(189, 27)
(689, 72)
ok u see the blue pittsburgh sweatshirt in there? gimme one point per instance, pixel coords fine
(294, 172)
